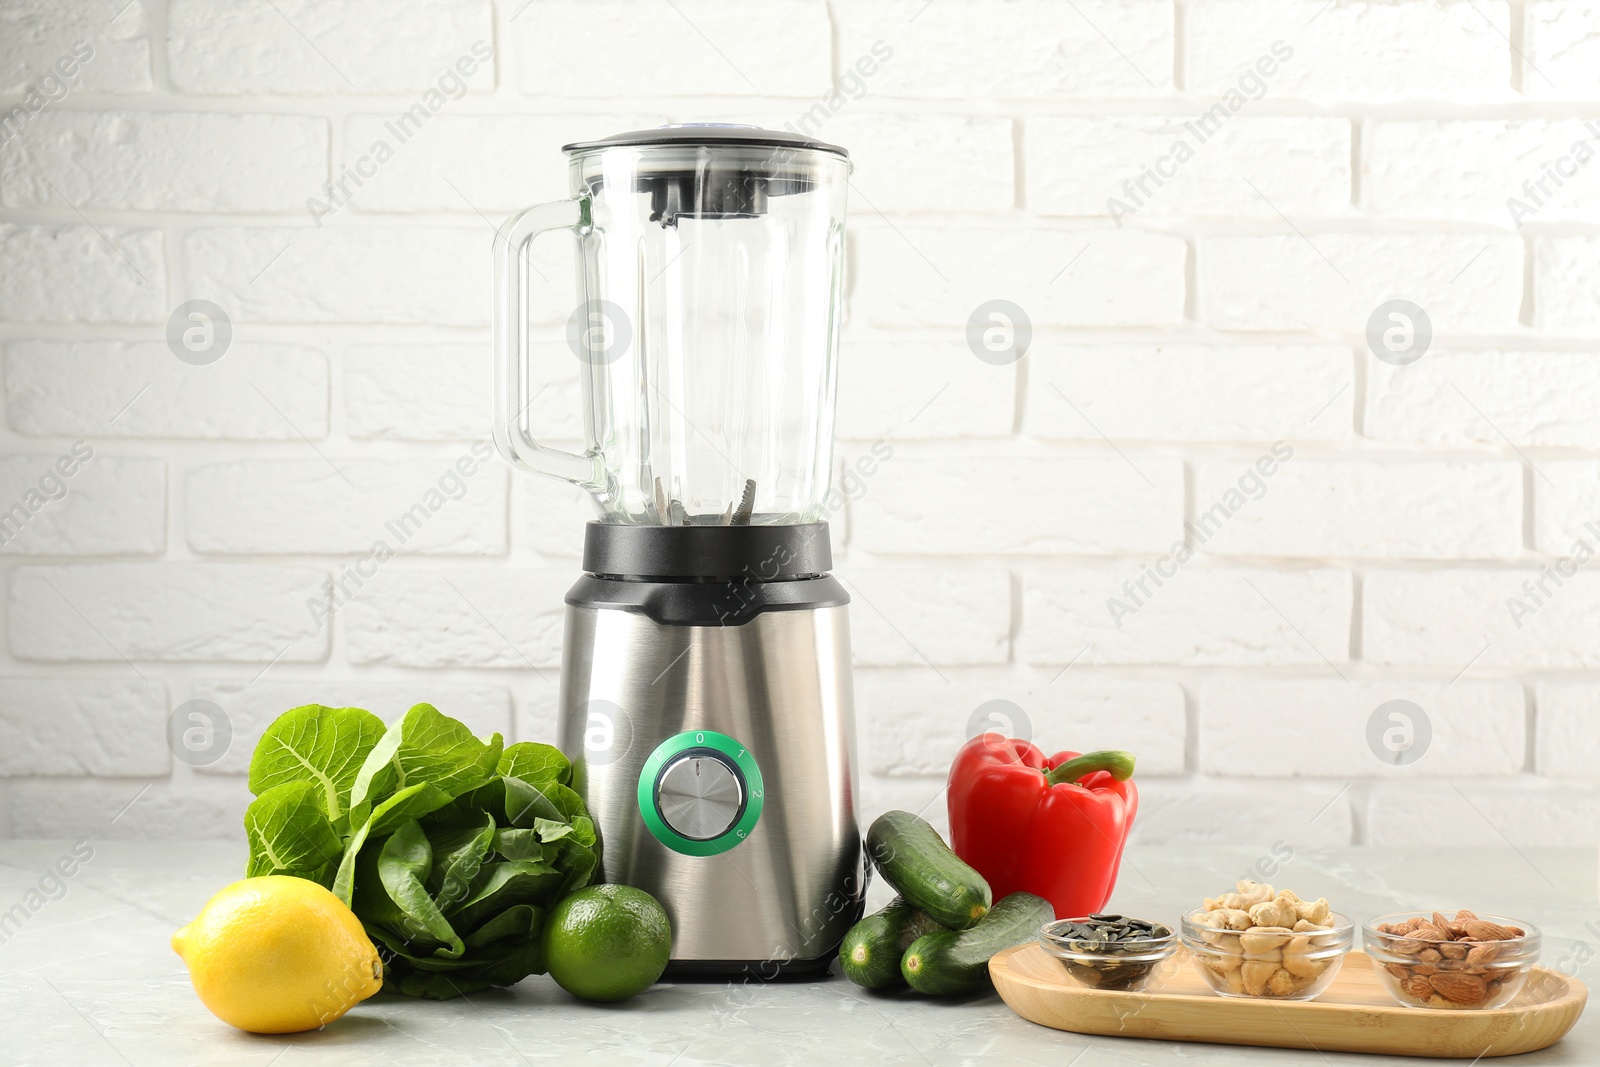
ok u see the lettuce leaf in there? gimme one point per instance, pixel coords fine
(533, 762)
(289, 833)
(451, 850)
(424, 746)
(316, 744)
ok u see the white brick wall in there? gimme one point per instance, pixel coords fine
(1015, 49)
(1500, 617)
(1564, 270)
(911, 162)
(1333, 281)
(345, 274)
(1382, 509)
(1562, 48)
(177, 612)
(359, 46)
(41, 33)
(567, 48)
(1355, 51)
(1569, 728)
(952, 503)
(347, 506)
(1202, 615)
(136, 389)
(1487, 397)
(1454, 814)
(1190, 393)
(81, 273)
(417, 392)
(921, 274)
(97, 506)
(1317, 729)
(60, 726)
(1025, 533)
(1566, 506)
(1415, 169)
(483, 618)
(180, 162)
(930, 388)
(1079, 162)
(930, 616)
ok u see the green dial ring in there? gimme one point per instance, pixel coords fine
(736, 755)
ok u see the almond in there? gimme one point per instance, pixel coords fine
(1430, 955)
(1481, 930)
(1428, 932)
(1453, 950)
(1442, 924)
(1424, 969)
(1481, 954)
(1398, 970)
(1465, 914)
(1459, 988)
(1417, 986)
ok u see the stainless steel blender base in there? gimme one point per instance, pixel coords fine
(718, 763)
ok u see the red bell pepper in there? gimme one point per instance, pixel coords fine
(1054, 827)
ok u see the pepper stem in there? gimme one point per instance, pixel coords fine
(1117, 763)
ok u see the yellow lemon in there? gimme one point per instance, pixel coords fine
(277, 955)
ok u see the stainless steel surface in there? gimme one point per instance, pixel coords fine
(780, 685)
(699, 796)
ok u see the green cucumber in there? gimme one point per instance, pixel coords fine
(952, 962)
(914, 859)
(870, 954)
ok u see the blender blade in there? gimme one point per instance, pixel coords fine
(747, 505)
(663, 513)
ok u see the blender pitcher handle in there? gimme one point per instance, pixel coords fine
(511, 384)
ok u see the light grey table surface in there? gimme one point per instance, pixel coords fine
(90, 977)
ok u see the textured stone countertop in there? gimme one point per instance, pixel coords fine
(90, 979)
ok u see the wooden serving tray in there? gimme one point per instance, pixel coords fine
(1354, 1014)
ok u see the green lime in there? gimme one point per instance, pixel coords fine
(607, 942)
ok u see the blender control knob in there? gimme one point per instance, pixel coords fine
(700, 795)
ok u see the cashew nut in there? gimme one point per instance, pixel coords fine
(1296, 962)
(1316, 911)
(1254, 892)
(1256, 974)
(1277, 912)
(1283, 983)
(1261, 942)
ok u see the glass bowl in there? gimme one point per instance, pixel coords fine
(1121, 965)
(1424, 972)
(1275, 966)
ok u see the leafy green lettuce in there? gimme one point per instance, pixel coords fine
(450, 850)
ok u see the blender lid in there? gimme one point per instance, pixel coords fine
(708, 135)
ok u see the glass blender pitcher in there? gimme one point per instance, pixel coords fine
(711, 276)
(706, 699)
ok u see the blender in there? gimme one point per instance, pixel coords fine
(706, 698)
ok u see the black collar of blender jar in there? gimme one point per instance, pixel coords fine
(757, 553)
(724, 602)
(708, 135)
